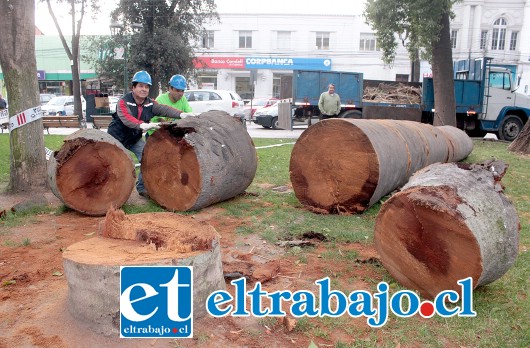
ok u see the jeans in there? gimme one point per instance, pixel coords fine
(138, 148)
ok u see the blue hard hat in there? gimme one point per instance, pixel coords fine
(143, 77)
(178, 82)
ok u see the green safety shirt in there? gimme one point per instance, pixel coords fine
(181, 104)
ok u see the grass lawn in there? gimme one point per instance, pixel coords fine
(503, 306)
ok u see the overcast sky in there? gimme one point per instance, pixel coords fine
(91, 26)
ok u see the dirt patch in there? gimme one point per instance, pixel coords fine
(33, 288)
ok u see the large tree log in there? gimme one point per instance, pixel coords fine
(92, 267)
(198, 162)
(522, 142)
(449, 222)
(346, 165)
(91, 172)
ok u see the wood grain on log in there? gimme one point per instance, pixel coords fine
(347, 165)
(92, 267)
(91, 172)
(198, 162)
(449, 222)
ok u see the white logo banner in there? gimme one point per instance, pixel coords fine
(25, 117)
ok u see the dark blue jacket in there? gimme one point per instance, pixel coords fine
(126, 121)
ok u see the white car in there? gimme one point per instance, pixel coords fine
(63, 105)
(203, 100)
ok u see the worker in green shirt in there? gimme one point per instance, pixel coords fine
(175, 98)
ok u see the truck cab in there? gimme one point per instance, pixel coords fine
(505, 110)
(499, 107)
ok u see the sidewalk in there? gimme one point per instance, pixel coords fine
(254, 130)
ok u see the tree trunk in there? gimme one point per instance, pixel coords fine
(448, 223)
(17, 58)
(416, 67)
(522, 142)
(92, 267)
(442, 72)
(198, 162)
(91, 172)
(347, 165)
(73, 54)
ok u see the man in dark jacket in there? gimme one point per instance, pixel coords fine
(133, 113)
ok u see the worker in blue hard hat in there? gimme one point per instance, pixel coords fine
(132, 117)
(174, 97)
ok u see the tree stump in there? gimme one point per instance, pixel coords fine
(92, 267)
(449, 222)
(91, 172)
(347, 165)
(198, 161)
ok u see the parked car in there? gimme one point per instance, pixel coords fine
(203, 100)
(63, 105)
(45, 98)
(267, 117)
(258, 103)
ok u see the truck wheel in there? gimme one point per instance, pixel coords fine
(275, 123)
(510, 128)
(352, 114)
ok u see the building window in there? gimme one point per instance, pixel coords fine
(322, 42)
(207, 81)
(402, 77)
(513, 40)
(454, 34)
(368, 42)
(245, 39)
(284, 40)
(207, 39)
(244, 87)
(483, 39)
(498, 37)
(276, 86)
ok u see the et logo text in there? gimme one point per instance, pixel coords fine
(156, 301)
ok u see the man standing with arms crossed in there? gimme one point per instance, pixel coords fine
(329, 103)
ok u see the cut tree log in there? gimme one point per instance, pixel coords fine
(92, 267)
(449, 222)
(521, 144)
(91, 172)
(347, 165)
(198, 161)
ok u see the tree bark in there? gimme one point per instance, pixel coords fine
(198, 162)
(442, 72)
(522, 142)
(448, 223)
(17, 58)
(347, 165)
(91, 172)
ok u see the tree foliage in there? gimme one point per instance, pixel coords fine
(77, 11)
(417, 23)
(422, 26)
(164, 45)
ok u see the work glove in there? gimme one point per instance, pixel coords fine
(187, 114)
(148, 126)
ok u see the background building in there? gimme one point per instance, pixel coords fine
(256, 53)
